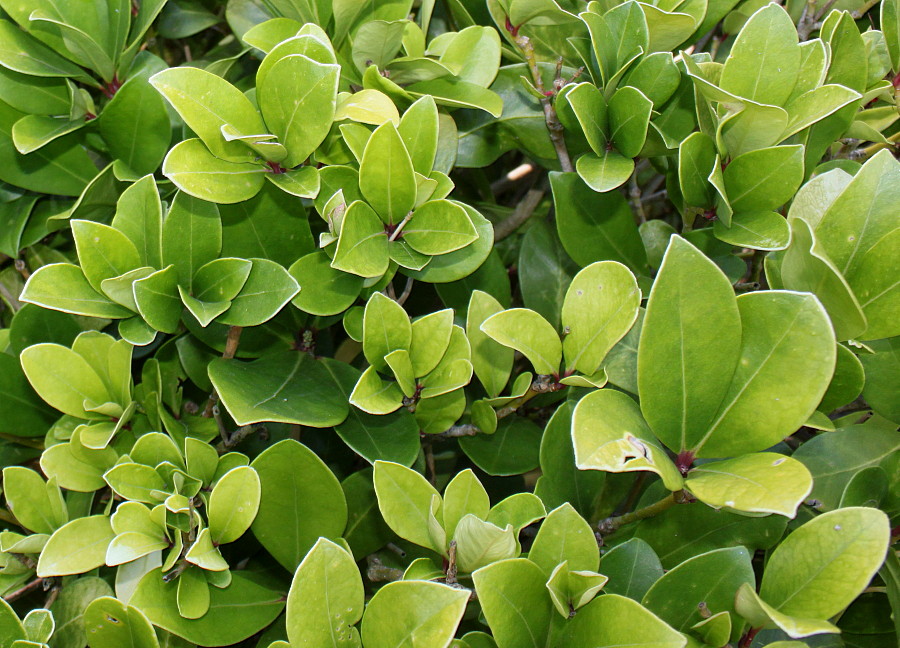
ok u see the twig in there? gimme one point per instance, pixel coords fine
(14, 303)
(451, 563)
(378, 572)
(456, 431)
(521, 213)
(407, 289)
(611, 524)
(22, 268)
(553, 125)
(399, 229)
(634, 193)
(231, 347)
(237, 436)
(25, 589)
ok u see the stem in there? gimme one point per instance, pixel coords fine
(25, 589)
(553, 126)
(756, 266)
(611, 524)
(407, 289)
(239, 435)
(399, 228)
(14, 303)
(451, 566)
(231, 346)
(378, 572)
(747, 639)
(634, 194)
(521, 213)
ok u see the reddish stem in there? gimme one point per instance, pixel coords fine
(684, 461)
(276, 168)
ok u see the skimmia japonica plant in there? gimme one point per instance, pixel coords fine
(469, 323)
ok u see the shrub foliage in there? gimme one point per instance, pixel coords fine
(470, 323)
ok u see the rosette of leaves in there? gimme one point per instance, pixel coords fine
(845, 243)
(91, 383)
(394, 210)
(429, 360)
(144, 270)
(461, 526)
(714, 389)
(239, 147)
(633, 78)
(56, 49)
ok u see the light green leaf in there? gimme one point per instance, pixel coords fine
(362, 248)
(205, 554)
(297, 97)
(515, 602)
(629, 117)
(76, 547)
(759, 230)
(327, 584)
(601, 304)
(480, 543)
(404, 498)
(418, 129)
(64, 379)
(765, 179)
(233, 504)
(439, 227)
(104, 252)
(609, 433)
(268, 289)
(112, 624)
(565, 536)
(530, 334)
(765, 58)
(375, 396)
(323, 289)
(605, 172)
(156, 297)
(37, 505)
(206, 102)
(386, 176)
(20, 52)
(197, 172)
(139, 218)
(433, 611)
(689, 347)
(756, 483)
(386, 328)
(787, 343)
(612, 620)
(300, 501)
(491, 361)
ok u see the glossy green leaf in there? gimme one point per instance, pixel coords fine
(633, 567)
(606, 171)
(386, 176)
(386, 328)
(64, 379)
(404, 498)
(197, 172)
(565, 536)
(191, 237)
(760, 230)
(362, 248)
(530, 334)
(156, 297)
(629, 117)
(613, 620)
(233, 504)
(439, 227)
(285, 387)
(110, 623)
(136, 127)
(515, 602)
(492, 362)
(764, 179)
(326, 584)
(433, 612)
(682, 378)
(513, 449)
(76, 547)
(268, 289)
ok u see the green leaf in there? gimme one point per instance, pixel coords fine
(756, 483)
(298, 97)
(110, 623)
(431, 335)
(711, 578)
(595, 227)
(362, 248)
(609, 433)
(528, 333)
(601, 304)
(68, 609)
(104, 251)
(386, 176)
(439, 227)
(64, 379)
(301, 500)
(820, 568)
(76, 547)
(157, 300)
(629, 117)
(765, 179)
(565, 536)
(38, 505)
(806, 266)
(787, 344)
(206, 102)
(302, 182)
(765, 58)
(135, 126)
(244, 607)
(33, 132)
(194, 170)
(386, 328)
(683, 377)
(233, 504)
(590, 109)
(391, 437)
(323, 290)
(285, 387)
(464, 495)
(462, 263)
(515, 602)
(760, 230)
(492, 362)
(696, 157)
(760, 614)
(63, 287)
(22, 53)
(136, 482)
(480, 543)
(433, 611)
(326, 599)
(512, 450)
(632, 568)
(193, 594)
(139, 218)
(375, 396)
(268, 289)
(418, 129)
(614, 620)
(890, 26)
(404, 498)
(606, 171)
